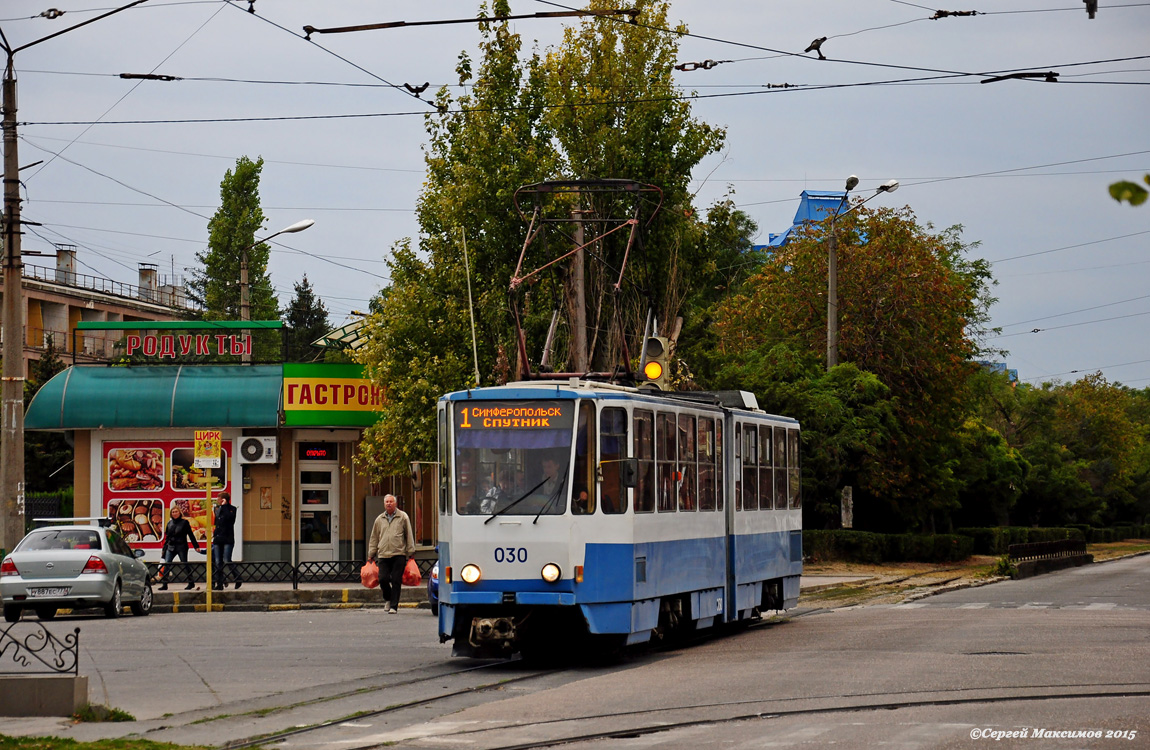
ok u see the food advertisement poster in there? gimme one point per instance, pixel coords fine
(144, 480)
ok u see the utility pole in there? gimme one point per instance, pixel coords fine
(579, 298)
(12, 392)
(245, 301)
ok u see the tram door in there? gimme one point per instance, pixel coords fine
(318, 504)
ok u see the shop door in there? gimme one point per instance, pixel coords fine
(319, 510)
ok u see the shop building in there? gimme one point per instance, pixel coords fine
(289, 433)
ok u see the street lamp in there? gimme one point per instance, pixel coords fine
(245, 302)
(833, 266)
(12, 388)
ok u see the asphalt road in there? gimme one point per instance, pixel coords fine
(1065, 652)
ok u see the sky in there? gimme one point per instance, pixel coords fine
(131, 168)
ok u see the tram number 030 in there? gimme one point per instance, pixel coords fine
(510, 554)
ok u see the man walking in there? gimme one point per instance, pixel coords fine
(392, 542)
(223, 542)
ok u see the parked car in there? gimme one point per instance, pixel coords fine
(74, 567)
(433, 589)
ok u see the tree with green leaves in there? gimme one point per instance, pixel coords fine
(912, 309)
(524, 121)
(617, 113)
(231, 235)
(306, 320)
(847, 419)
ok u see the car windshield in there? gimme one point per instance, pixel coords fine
(512, 456)
(49, 539)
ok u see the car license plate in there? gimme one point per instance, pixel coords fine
(59, 591)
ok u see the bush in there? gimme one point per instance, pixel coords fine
(1004, 566)
(843, 544)
(847, 545)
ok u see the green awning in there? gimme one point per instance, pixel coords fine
(87, 398)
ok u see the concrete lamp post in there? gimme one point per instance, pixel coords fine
(833, 266)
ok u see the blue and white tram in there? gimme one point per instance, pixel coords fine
(572, 509)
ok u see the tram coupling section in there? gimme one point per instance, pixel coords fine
(492, 631)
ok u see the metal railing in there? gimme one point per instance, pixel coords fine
(169, 295)
(1046, 550)
(329, 571)
(40, 652)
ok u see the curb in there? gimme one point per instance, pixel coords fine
(278, 607)
(955, 587)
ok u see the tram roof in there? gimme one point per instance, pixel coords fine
(573, 388)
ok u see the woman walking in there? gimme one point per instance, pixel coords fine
(177, 535)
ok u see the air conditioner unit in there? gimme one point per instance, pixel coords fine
(258, 450)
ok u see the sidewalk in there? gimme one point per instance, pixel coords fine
(272, 597)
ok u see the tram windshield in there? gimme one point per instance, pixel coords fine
(512, 457)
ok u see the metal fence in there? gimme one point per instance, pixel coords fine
(36, 651)
(331, 571)
(1046, 550)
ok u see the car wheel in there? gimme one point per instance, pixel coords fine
(12, 612)
(116, 605)
(144, 606)
(435, 607)
(46, 613)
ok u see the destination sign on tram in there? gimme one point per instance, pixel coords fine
(514, 415)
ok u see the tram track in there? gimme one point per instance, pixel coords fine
(273, 718)
(394, 708)
(901, 700)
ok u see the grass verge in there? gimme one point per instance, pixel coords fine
(60, 743)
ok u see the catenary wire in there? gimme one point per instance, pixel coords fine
(125, 96)
(358, 67)
(602, 103)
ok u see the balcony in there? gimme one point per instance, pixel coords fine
(168, 295)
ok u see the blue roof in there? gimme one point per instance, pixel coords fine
(814, 205)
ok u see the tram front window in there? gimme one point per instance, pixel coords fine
(513, 458)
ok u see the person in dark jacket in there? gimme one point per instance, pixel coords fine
(223, 542)
(177, 535)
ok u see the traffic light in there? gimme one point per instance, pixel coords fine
(657, 363)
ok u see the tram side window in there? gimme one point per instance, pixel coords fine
(738, 474)
(719, 476)
(645, 453)
(687, 489)
(665, 460)
(794, 468)
(583, 489)
(706, 446)
(465, 490)
(750, 468)
(780, 468)
(766, 485)
(443, 471)
(612, 451)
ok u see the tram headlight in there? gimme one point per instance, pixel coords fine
(470, 573)
(551, 573)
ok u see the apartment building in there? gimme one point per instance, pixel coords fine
(56, 299)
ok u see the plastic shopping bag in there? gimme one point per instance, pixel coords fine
(411, 575)
(369, 575)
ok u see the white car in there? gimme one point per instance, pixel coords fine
(74, 567)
